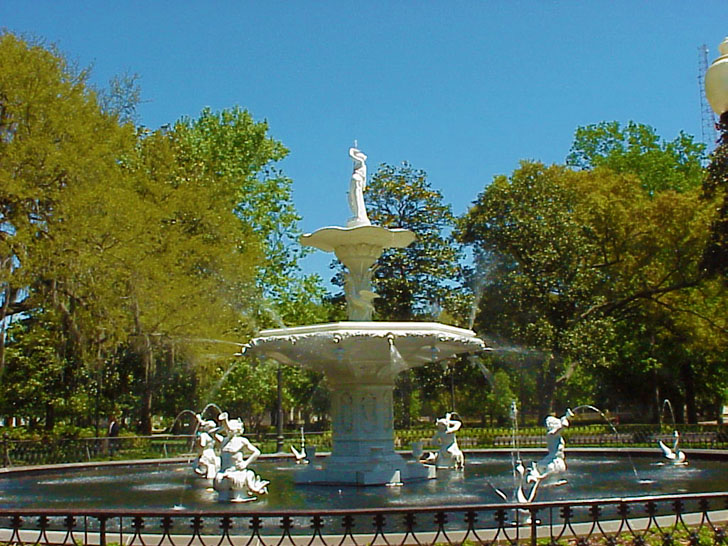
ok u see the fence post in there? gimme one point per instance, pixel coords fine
(534, 527)
(6, 450)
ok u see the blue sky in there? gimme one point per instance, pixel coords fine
(463, 90)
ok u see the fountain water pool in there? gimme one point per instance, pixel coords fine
(163, 486)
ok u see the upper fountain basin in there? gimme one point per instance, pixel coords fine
(371, 351)
(330, 238)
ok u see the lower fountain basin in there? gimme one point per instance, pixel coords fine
(162, 486)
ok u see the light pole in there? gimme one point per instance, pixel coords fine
(279, 436)
(716, 86)
(715, 256)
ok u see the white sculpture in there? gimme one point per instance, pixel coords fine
(207, 463)
(235, 481)
(533, 476)
(356, 190)
(555, 460)
(300, 456)
(449, 454)
(359, 294)
(674, 455)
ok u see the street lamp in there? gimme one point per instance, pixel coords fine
(716, 85)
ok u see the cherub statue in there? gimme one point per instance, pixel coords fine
(235, 479)
(207, 463)
(449, 454)
(555, 460)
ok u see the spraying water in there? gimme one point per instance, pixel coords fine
(616, 434)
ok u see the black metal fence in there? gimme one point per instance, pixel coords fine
(58, 451)
(695, 519)
(27, 452)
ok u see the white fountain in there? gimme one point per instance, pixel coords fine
(362, 358)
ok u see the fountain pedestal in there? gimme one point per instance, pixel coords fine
(363, 441)
(361, 361)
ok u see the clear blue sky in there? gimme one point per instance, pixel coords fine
(463, 90)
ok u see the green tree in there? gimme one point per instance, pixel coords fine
(420, 281)
(55, 145)
(638, 150)
(715, 187)
(574, 253)
(424, 278)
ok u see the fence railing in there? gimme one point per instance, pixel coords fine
(28, 452)
(695, 519)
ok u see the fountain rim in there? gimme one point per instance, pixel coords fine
(382, 328)
(697, 453)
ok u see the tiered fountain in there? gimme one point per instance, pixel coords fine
(361, 358)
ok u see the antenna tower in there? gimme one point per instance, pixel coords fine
(709, 133)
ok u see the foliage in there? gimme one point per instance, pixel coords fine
(572, 254)
(136, 250)
(420, 280)
(715, 187)
(637, 150)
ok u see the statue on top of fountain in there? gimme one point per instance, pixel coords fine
(235, 481)
(358, 245)
(356, 189)
(555, 460)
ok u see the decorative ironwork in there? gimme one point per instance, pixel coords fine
(695, 519)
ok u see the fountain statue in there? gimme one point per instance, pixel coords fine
(207, 463)
(675, 455)
(356, 190)
(300, 455)
(235, 481)
(450, 455)
(555, 461)
(361, 358)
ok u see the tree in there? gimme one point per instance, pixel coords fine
(575, 253)
(715, 187)
(420, 280)
(55, 144)
(637, 150)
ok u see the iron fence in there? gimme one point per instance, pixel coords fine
(35, 452)
(694, 519)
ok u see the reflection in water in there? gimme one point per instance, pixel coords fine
(164, 486)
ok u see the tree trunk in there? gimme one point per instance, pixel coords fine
(546, 388)
(688, 378)
(50, 417)
(146, 406)
(8, 295)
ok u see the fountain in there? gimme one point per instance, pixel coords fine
(361, 358)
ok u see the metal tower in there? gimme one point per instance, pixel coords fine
(709, 133)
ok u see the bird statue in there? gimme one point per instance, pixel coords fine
(674, 455)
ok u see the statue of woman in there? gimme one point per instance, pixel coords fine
(356, 190)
